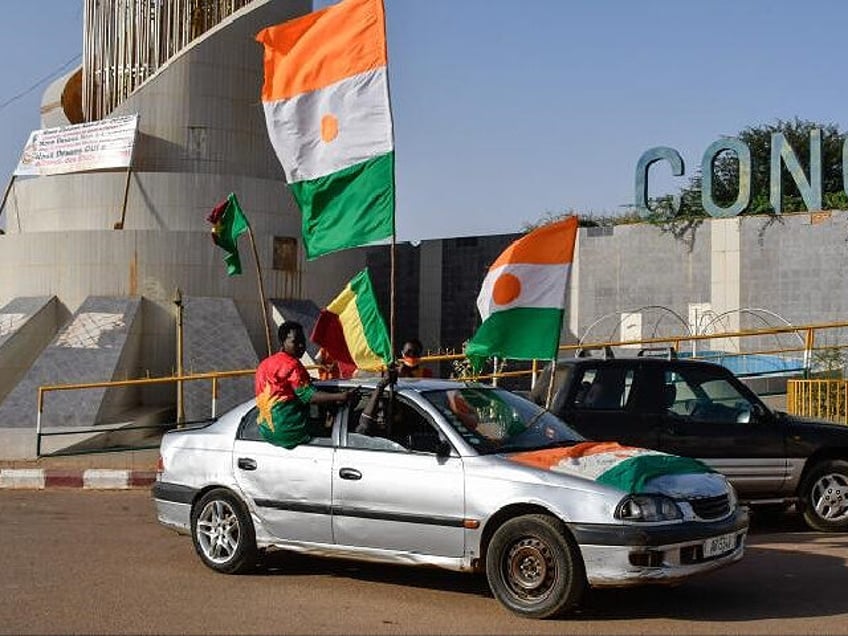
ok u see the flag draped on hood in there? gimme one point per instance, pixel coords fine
(326, 101)
(228, 224)
(352, 329)
(623, 467)
(522, 298)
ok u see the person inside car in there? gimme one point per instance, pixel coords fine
(284, 391)
(409, 365)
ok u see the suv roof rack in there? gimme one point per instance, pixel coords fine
(585, 352)
(658, 352)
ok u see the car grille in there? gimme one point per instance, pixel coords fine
(711, 507)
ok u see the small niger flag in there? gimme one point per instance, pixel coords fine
(351, 328)
(522, 298)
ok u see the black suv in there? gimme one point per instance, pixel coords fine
(699, 409)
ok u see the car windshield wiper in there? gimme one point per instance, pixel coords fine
(535, 419)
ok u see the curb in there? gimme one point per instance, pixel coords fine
(92, 479)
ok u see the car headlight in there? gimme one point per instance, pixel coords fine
(732, 498)
(647, 508)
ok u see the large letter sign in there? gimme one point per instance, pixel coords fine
(645, 161)
(811, 191)
(743, 198)
(782, 154)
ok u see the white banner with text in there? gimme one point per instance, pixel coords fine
(97, 145)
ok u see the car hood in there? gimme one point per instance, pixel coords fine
(627, 468)
(798, 424)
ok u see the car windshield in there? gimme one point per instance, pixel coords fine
(494, 420)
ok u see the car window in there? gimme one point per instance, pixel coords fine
(494, 420)
(403, 428)
(605, 388)
(248, 430)
(700, 395)
(319, 425)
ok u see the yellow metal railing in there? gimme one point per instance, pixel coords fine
(214, 377)
(827, 399)
(820, 399)
(809, 339)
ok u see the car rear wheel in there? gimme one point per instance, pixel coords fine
(534, 567)
(223, 533)
(825, 496)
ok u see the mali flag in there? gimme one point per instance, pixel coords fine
(326, 101)
(351, 329)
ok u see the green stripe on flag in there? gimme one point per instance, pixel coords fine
(373, 326)
(522, 333)
(632, 474)
(348, 208)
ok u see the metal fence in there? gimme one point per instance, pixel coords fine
(127, 41)
(820, 399)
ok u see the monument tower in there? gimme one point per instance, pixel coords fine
(95, 260)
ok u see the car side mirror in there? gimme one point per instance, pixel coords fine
(443, 448)
(758, 413)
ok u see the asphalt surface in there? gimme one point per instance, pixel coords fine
(83, 562)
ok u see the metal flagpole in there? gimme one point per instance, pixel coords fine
(564, 303)
(393, 248)
(550, 394)
(261, 289)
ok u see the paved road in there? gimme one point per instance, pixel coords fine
(96, 562)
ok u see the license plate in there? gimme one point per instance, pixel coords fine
(719, 545)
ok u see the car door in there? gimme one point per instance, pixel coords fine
(289, 490)
(605, 404)
(395, 490)
(711, 416)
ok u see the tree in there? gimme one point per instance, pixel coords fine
(758, 140)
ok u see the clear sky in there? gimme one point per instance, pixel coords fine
(505, 110)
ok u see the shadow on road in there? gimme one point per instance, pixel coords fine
(288, 564)
(788, 572)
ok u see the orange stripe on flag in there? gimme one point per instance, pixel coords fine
(553, 456)
(322, 48)
(548, 245)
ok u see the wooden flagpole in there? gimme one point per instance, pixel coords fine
(261, 289)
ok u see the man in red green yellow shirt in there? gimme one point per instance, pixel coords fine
(284, 391)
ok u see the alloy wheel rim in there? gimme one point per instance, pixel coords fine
(829, 496)
(218, 531)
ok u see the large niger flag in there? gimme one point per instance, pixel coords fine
(351, 328)
(522, 298)
(326, 102)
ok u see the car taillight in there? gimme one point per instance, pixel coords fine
(160, 466)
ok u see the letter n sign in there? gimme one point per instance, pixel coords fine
(811, 191)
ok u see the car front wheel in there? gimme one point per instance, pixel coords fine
(534, 567)
(825, 496)
(223, 533)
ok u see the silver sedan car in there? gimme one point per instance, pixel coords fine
(462, 476)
